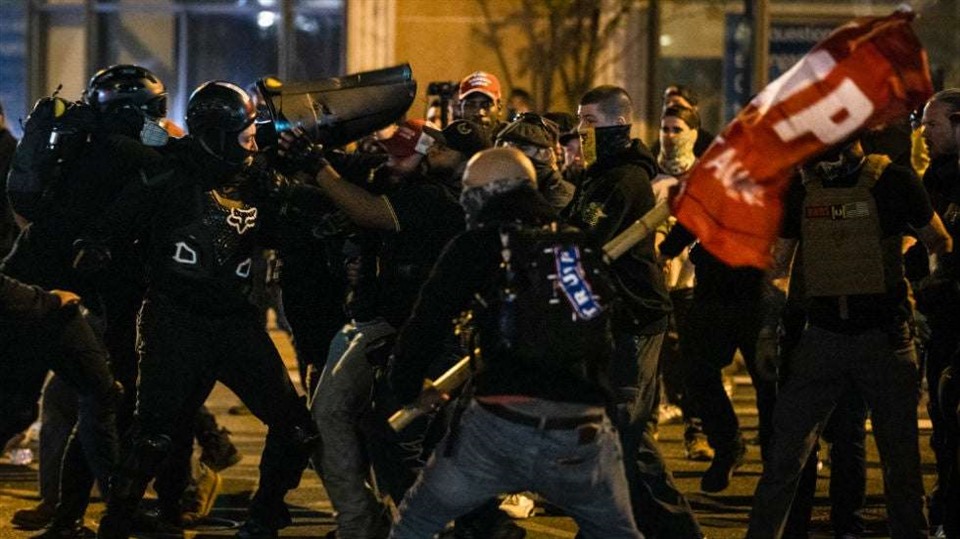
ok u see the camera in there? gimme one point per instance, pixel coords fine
(443, 89)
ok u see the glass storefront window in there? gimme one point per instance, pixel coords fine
(239, 48)
(317, 49)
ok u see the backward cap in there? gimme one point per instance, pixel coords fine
(463, 136)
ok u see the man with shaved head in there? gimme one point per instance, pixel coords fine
(534, 418)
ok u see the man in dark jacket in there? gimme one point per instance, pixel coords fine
(204, 215)
(942, 308)
(8, 227)
(42, 330)
(615, 192)
(537, 137)
(406, 224)
(536, 418)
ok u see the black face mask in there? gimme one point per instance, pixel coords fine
(223, 145)
(123, 121)
(833, 166)
(473, 199)
(605, 141)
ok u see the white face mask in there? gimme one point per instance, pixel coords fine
(153, 134)
(678, 157)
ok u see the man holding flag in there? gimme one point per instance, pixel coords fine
(849, 215)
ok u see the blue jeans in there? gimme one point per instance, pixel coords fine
(342, 398)
(492, 455)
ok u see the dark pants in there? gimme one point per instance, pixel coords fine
(659, 508)
(846, 432)
(120, 302)
(881, 365)
(715, 331)
(313, 304)
(949, 400)
(68, 346)
(944, 343)
(59, 407)
(182, 356)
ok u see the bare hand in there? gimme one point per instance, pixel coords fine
(66, 297)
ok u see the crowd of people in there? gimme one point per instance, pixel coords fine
(141, 254)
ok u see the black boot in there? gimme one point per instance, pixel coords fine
(255, 529)
(75, 530)
(717, 477)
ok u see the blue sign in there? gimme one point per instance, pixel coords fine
(574, 283)
(789, 42)
(13, 64)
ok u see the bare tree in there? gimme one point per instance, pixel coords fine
(564, 42)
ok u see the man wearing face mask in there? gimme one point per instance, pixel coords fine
(125, 105)
(848, 216)
(535, 418)
(536, 137)
(204, 214)
(615, 192)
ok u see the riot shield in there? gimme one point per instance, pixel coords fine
(337, 110)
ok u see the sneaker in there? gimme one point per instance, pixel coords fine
(218, 452)
(254, 529)
(199, 498)
(669, 414)
(697, 448)
(114, 526)
(518, 506)
(36, 518)
(156, 522)
(717, 477)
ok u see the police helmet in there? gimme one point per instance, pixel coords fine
(127, 86)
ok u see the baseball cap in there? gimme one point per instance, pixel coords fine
(566, 123)
(463, 136)
(531, 129)
(480, 81)
(408, 139)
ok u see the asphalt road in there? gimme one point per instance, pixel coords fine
(722, 516)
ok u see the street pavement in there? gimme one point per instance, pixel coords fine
(722, 516)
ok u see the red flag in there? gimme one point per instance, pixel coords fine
(864, 73)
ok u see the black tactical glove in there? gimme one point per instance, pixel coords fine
(298, 153)
(91, 257)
